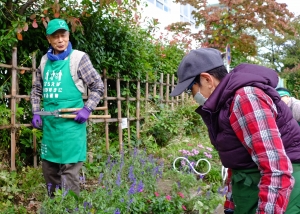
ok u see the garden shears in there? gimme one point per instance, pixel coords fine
(57, 113)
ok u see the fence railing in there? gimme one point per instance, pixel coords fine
(160, 89)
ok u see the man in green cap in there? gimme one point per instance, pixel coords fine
(60, 82)
(292, 102)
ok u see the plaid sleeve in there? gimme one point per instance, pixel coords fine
(36, 91)
(252, 118)
(92, 79)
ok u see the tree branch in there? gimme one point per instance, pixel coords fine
(25, 6)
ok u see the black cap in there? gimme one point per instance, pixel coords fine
(195, 63)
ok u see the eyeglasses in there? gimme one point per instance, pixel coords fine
(188, 90)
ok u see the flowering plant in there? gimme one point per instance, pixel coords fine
(167, 204)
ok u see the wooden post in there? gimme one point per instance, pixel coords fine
(161, 88)
(13, 108)
(172, 87)
(167, 90)
(34, 137)
(146, 93)
(128, 115)
(119, 114)
(106, 111)
(138, 97)
(154, 87)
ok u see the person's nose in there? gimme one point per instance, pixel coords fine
(60, 39)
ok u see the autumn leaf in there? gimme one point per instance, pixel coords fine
(19, 36)
(34, 24)
(119, 2)
(19, 29)
(44, 23)
(25, 27)
(56, 15)
(73, 28)
(32, 17)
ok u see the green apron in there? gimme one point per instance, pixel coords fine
(245, 191)
(64, 140)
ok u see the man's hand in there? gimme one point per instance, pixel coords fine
(82, 115)
(37, 121)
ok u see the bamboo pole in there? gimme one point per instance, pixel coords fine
(161, 88)
(119, 114)
(106, 111)
(167, 90)
(138, 95)
(172, 87)
(33, 80)
(128, 115)
(13, 108)
(146, 93)
(154, 87)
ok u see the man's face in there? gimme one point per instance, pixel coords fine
(285, 99)
(59, 40)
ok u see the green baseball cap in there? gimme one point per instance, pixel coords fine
(283, 92)
(56, 24)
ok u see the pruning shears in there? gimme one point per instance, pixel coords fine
(57, 113)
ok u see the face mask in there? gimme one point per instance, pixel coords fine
(199, 98)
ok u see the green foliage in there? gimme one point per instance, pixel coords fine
(162, 124)
(9, 188)
(292, 80)
(209, 203)
(18, 186)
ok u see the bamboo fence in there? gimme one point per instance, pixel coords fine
(158, 88)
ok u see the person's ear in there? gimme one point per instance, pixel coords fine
(206, 79)
(48, 38)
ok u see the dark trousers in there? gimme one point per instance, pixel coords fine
(62, 176)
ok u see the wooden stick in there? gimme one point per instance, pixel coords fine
(90, 117)
(77, 109)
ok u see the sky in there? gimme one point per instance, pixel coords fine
(293, 5)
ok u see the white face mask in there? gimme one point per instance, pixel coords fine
(199, 98)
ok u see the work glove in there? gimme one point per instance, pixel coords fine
(37, 121)
(82, 115)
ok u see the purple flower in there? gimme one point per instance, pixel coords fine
(49, 188)
(131, 189)
(131, 175)
(85, 204)
(65, 192)
(82, 179)
(198, 190)
(100, 178)
(117, 211)
(118, 182)
(140, 187)
(142, 162)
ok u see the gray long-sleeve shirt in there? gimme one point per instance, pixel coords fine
(294, 105)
